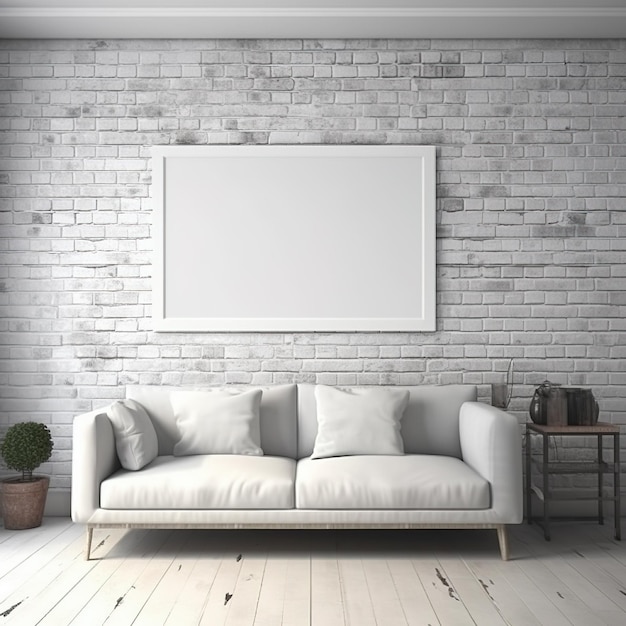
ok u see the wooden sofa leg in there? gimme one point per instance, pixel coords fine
(89, 540)
(503, 540)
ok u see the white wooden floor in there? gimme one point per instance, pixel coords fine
(269, 578)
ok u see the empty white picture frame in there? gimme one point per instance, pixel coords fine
(294, 238)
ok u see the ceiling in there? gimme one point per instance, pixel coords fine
(295, 19)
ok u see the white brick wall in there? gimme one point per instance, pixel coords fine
(531, 146)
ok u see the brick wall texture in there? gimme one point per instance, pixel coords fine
(531, 211)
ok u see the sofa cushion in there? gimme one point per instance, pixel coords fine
(135, 438)
(431, 420)
(430, 424)
(217, 422)
(358, 421)
(277, 415)
(203, 482)
(389, 482)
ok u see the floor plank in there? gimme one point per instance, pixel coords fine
(31, 561)
(163, 597)
(442, 595)
(503, 595)
(20, 545)
(190, 601)
(105, 575)
(418, 609)
(471, 592)
(301, 578)
(104, 605)
(219, 598)
(49, 586)
(297, 602)
(326, 598)
(140, 585)
(382, 591)
(356, 594)
(578, 598)
(247, 590)
(271, 600)
(536, 563)
(529, 589)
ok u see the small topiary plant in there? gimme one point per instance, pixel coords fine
(26, 446)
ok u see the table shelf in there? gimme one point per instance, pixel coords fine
(563, 497)
(577, 467)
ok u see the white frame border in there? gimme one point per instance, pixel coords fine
(425, 322)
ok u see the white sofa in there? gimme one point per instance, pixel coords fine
(461, 468)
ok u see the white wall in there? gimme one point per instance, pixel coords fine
(531, 140)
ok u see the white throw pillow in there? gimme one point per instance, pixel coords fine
(135, 438)
(217, 422)
(358, 421)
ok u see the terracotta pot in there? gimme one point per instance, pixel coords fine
(23, 502)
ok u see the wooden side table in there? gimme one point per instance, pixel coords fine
(599, 467)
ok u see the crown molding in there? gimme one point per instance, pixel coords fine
(296, 23)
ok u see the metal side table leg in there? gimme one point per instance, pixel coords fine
(616, 487)
(546, 488)
(600, 481)
(529, 512)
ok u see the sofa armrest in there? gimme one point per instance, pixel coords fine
(93, 459)
(491, 444)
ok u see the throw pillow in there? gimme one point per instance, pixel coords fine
(217, 422)
(358, 421)
(135, 438)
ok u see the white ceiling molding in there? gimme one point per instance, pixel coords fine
(310, 19)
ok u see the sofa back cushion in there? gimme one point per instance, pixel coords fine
(430, 424)
(218, 422)
(277, 415)
(135, 438)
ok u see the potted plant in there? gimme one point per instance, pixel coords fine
(25, 447)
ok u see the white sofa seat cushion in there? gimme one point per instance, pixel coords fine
(413, 481)
(203, 482)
